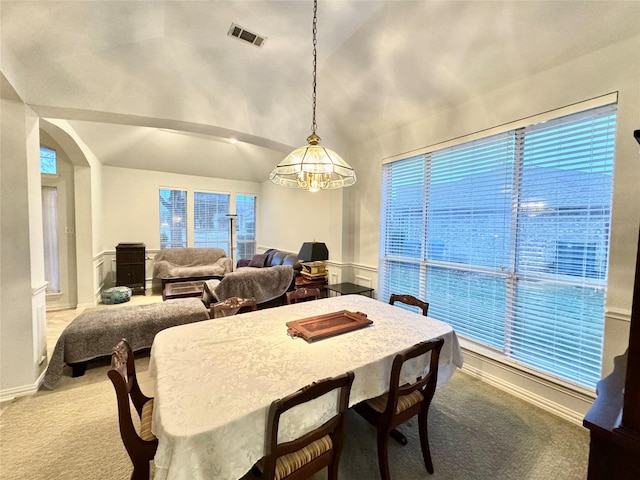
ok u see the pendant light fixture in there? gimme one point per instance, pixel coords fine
(313, 167)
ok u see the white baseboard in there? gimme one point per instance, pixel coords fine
(529, 396)
(22, 391)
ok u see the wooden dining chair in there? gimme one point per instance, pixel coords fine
(232, 306)
(302, 294)
(410, 300)
(302, 457)
(141, 446)
(403, 402)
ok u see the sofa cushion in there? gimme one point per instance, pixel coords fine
(291, 259)
(278, 258)
(258, 261)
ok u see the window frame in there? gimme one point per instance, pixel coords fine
(416, 266)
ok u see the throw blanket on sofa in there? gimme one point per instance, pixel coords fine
(263, 284)
(93, 334)
(191, 262)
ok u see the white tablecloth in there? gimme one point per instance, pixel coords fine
(216, 379)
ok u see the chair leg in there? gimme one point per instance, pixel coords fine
(332, 470)
(398, 436)
(424, 441)
(383, 455)
(141, 471)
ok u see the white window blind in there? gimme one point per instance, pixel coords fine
(246, 225)
(211, 224)
(173, 218)
(564, 202)
(507, 238)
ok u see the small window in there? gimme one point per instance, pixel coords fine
(48, 163)
(173, 218)
(246, 225)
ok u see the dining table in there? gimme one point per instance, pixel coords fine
(216, 379)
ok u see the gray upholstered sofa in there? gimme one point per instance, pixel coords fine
(175, 263)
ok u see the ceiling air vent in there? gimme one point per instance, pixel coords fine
(245, 35)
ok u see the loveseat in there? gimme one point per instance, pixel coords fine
(174, 263)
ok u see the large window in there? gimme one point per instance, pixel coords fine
(211, 223)
(507, 238)
(173, 218)
(246, 225)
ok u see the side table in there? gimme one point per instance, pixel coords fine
(348, 288)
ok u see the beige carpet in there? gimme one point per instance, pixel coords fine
(476, 432)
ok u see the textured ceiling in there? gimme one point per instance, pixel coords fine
(126, 74)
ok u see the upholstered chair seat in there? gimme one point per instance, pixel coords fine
(291, 462)
(404, 402)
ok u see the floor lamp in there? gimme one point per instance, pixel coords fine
(232, 239)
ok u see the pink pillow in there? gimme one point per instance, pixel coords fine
(258, 260)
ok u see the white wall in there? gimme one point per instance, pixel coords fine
(22, 285)
(130, 207)
(616, 68)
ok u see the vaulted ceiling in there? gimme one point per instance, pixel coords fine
(159, 85)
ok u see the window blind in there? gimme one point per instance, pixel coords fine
(563, 212)
(402, 226)
(246, 225)
(469, 235)
(507, 238)
(210, 221)
(173, 218)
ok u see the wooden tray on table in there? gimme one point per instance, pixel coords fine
(327, 325)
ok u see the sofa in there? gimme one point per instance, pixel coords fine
(271, 258)
(269, 286)
(189, 263)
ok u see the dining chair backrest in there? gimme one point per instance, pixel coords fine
(302, 294)
(321, 447)
(404, 401)
(232, 306)
(140, 445)
(410, 300)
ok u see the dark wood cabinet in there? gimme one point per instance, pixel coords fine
(130, 266)
(614, 418)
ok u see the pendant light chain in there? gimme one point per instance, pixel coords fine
(315, 63)
(313, 167)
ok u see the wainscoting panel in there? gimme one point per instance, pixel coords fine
(39, 323)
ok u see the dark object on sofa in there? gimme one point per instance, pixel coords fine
(268, 286)
(93, 334)
(272, 258)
